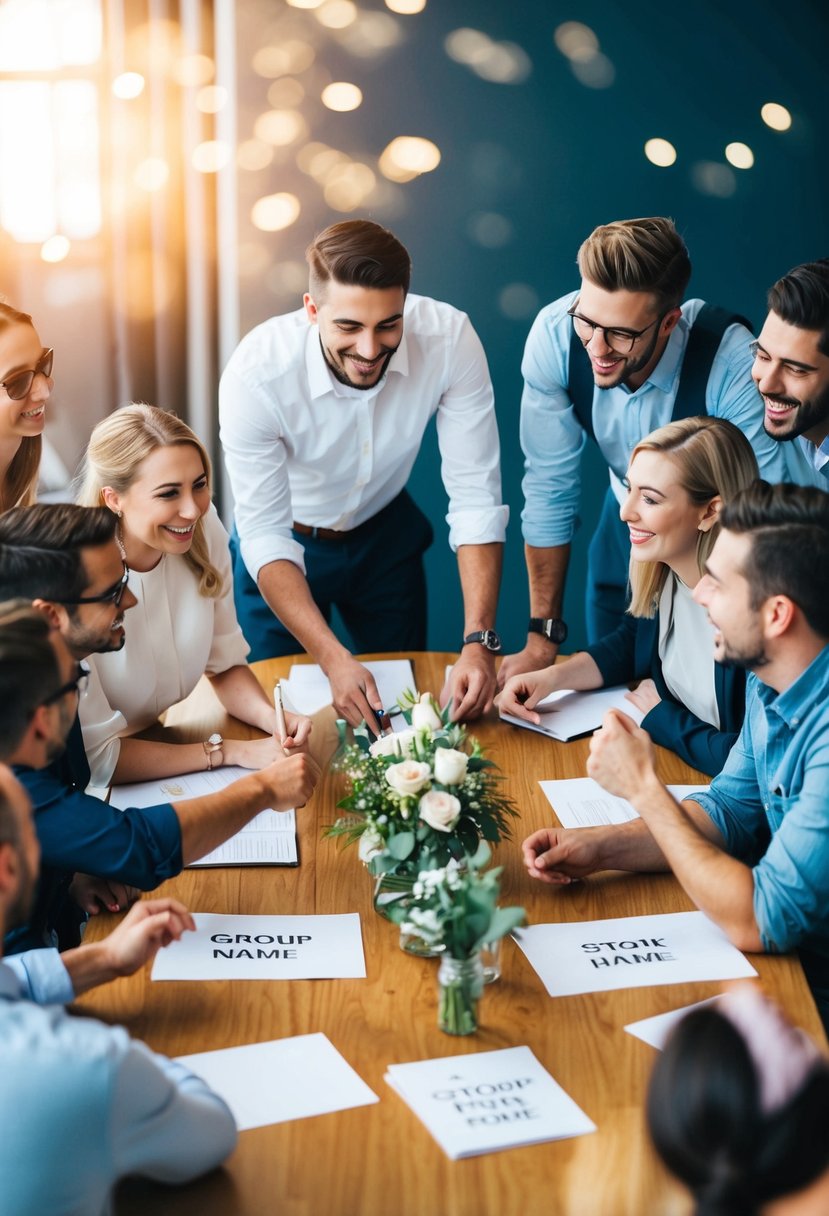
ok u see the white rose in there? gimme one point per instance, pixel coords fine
(450, 765)
(387, 745)
(408, 777)
(423, 714)
(371, 843)
(439, 809)
(404, 740)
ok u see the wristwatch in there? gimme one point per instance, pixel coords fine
(213, 750)
(553, 628)
(488, 638)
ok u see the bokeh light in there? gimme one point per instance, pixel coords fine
(776, 116)
(576, 41)
(55, 249)
(210, 156)
(304, 3)
(407, 157)
(660, 152)
(710, 177)
(518, 301)
(336, 14)
(596, 73)
(739, 155)
(280, 127)
(274, 212)
(211, 98)
(490, 230)
(253, 154)
(406, 7)
(497, 62)
(348, 185)
(371, 34)
(128, 85)
(342, 96)
(286, 93)
(151, 174)
(291, 57)
(191, 71)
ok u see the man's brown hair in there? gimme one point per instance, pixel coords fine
(358, 253)
(638, 255)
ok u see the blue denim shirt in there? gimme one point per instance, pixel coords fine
(553, 440)
(771, 804)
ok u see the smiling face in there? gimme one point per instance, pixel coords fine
(664, 523)
(161, 508)
(99, 627)
(627, 312)
(360, 328)
(792, 376)
(20, 351)
(725, 593)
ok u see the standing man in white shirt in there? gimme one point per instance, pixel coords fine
(791, 361)
(322, 413)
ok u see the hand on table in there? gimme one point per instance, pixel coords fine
(353, 691)
(291, 780)
(621, 756)
(563, 855)
(644, 696)
(259, 753)
(471, 684)
(521, 693)
(92, 894)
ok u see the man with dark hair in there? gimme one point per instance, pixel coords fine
(791, 361)
(612, 361)
(752, 852)
(323, 412)
(82, 1104)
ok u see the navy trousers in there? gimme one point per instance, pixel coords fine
(374, 578)
(608, 560)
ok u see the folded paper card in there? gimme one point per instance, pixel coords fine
(488, 1101)
(655, 1031)
(265, 948)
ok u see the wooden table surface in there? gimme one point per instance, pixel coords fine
(380, 1159)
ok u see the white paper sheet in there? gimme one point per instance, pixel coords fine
(580, 802)
(631, 952)
(281, 1080)
(654, 1031)
(269, 839)
(491, 1100)
(307, 688)
(265, 948)
(566, 714)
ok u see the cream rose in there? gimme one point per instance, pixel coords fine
(408, 777)
(371, 843)
(399, 744)
(450, 765)
(424, 715)
(439, 809)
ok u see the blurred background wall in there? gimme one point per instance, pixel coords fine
(164, 164)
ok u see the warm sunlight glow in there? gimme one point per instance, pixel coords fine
(275, 212)
(191, 71)
(336, 14)
(40, 35)
(254, 154)
(342, 96)
(152, 174)
(128, 85)
(55, 249)
(280, 127)
(210, 156)
(211, 99)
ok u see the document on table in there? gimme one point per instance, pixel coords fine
(580, 802)
(269, 839)
(655, 1031)
(307, 688)
(567, 714)
(487, 1101)
(281, 1080)
(225, 947)
(630, 952)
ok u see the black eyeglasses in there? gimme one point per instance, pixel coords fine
(20, 385)
(113, 596)
(619, 340)
(77, 685)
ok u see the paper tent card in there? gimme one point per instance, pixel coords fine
(631, 952)
(265, 948)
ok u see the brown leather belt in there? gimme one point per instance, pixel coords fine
(321, 533)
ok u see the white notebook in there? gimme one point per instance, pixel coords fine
(566, 714)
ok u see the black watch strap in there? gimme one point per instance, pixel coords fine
(488, 638)
(553, 628)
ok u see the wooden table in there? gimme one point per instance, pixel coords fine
(379, 1159)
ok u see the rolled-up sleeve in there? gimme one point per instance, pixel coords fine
(552, 439)
(470, 448)
(734, 804)
(42, 977)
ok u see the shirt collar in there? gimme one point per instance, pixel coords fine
(9, 983)
(810, 687)
(321, 381)
(667, 369)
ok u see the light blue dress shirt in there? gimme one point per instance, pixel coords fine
(818, 455)
(771, 804)
(553, 440)
(82, 1104)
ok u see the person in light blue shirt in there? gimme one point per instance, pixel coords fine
(82, 1104)
(753, 851)
(614, 360)
(791, 362)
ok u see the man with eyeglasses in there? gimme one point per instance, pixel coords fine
(614, 360)
(791, 361)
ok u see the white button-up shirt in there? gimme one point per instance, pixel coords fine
(299, 445)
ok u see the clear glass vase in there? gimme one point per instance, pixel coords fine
(460, 985)
(411, 943)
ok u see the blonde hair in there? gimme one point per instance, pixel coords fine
(117, 448)
(19, 487)
(638, 255)
(713, 458)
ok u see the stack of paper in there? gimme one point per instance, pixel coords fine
(269, 839)
(307, 689)
(489, 1101)
(580, 802)
(566, 714)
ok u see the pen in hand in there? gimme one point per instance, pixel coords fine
(279, 713)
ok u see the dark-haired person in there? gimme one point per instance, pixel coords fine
(612, 361)
(753, 851)
(737, 1108)
(82, 1104)
(791, 361)
(25, 386)
(323, 411)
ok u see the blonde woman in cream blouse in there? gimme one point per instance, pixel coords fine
(150, 469)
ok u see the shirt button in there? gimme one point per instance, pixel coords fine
(795, 721)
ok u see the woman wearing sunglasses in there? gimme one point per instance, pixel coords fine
(150, 469)
(25, 385)
(678, 478)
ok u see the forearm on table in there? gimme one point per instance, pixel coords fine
(146, 759)
(285, 589)
(88, 966)
(479, 567)
(243, 697)
(208, 821)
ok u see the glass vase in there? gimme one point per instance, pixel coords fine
(411, 943)
(460, 985)
(390, 889)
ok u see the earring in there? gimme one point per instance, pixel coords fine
(119, 514)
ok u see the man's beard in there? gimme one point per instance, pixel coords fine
(631, 366)
(339, 372)
(809, 414)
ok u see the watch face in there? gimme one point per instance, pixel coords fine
(491, 640)
(557, 631)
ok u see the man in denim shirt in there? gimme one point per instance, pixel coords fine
(752, 852)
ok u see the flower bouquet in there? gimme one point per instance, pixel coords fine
(419, 798)
(455, 908)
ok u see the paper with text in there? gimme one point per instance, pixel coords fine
(269, 839)
(491, 1100)
(580, 802)
(308, 690)
(655, 1031)
(281, 1080)
(631, 952)
(567, 714)
(265, 948)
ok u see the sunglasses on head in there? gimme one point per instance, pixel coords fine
(19, 385)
